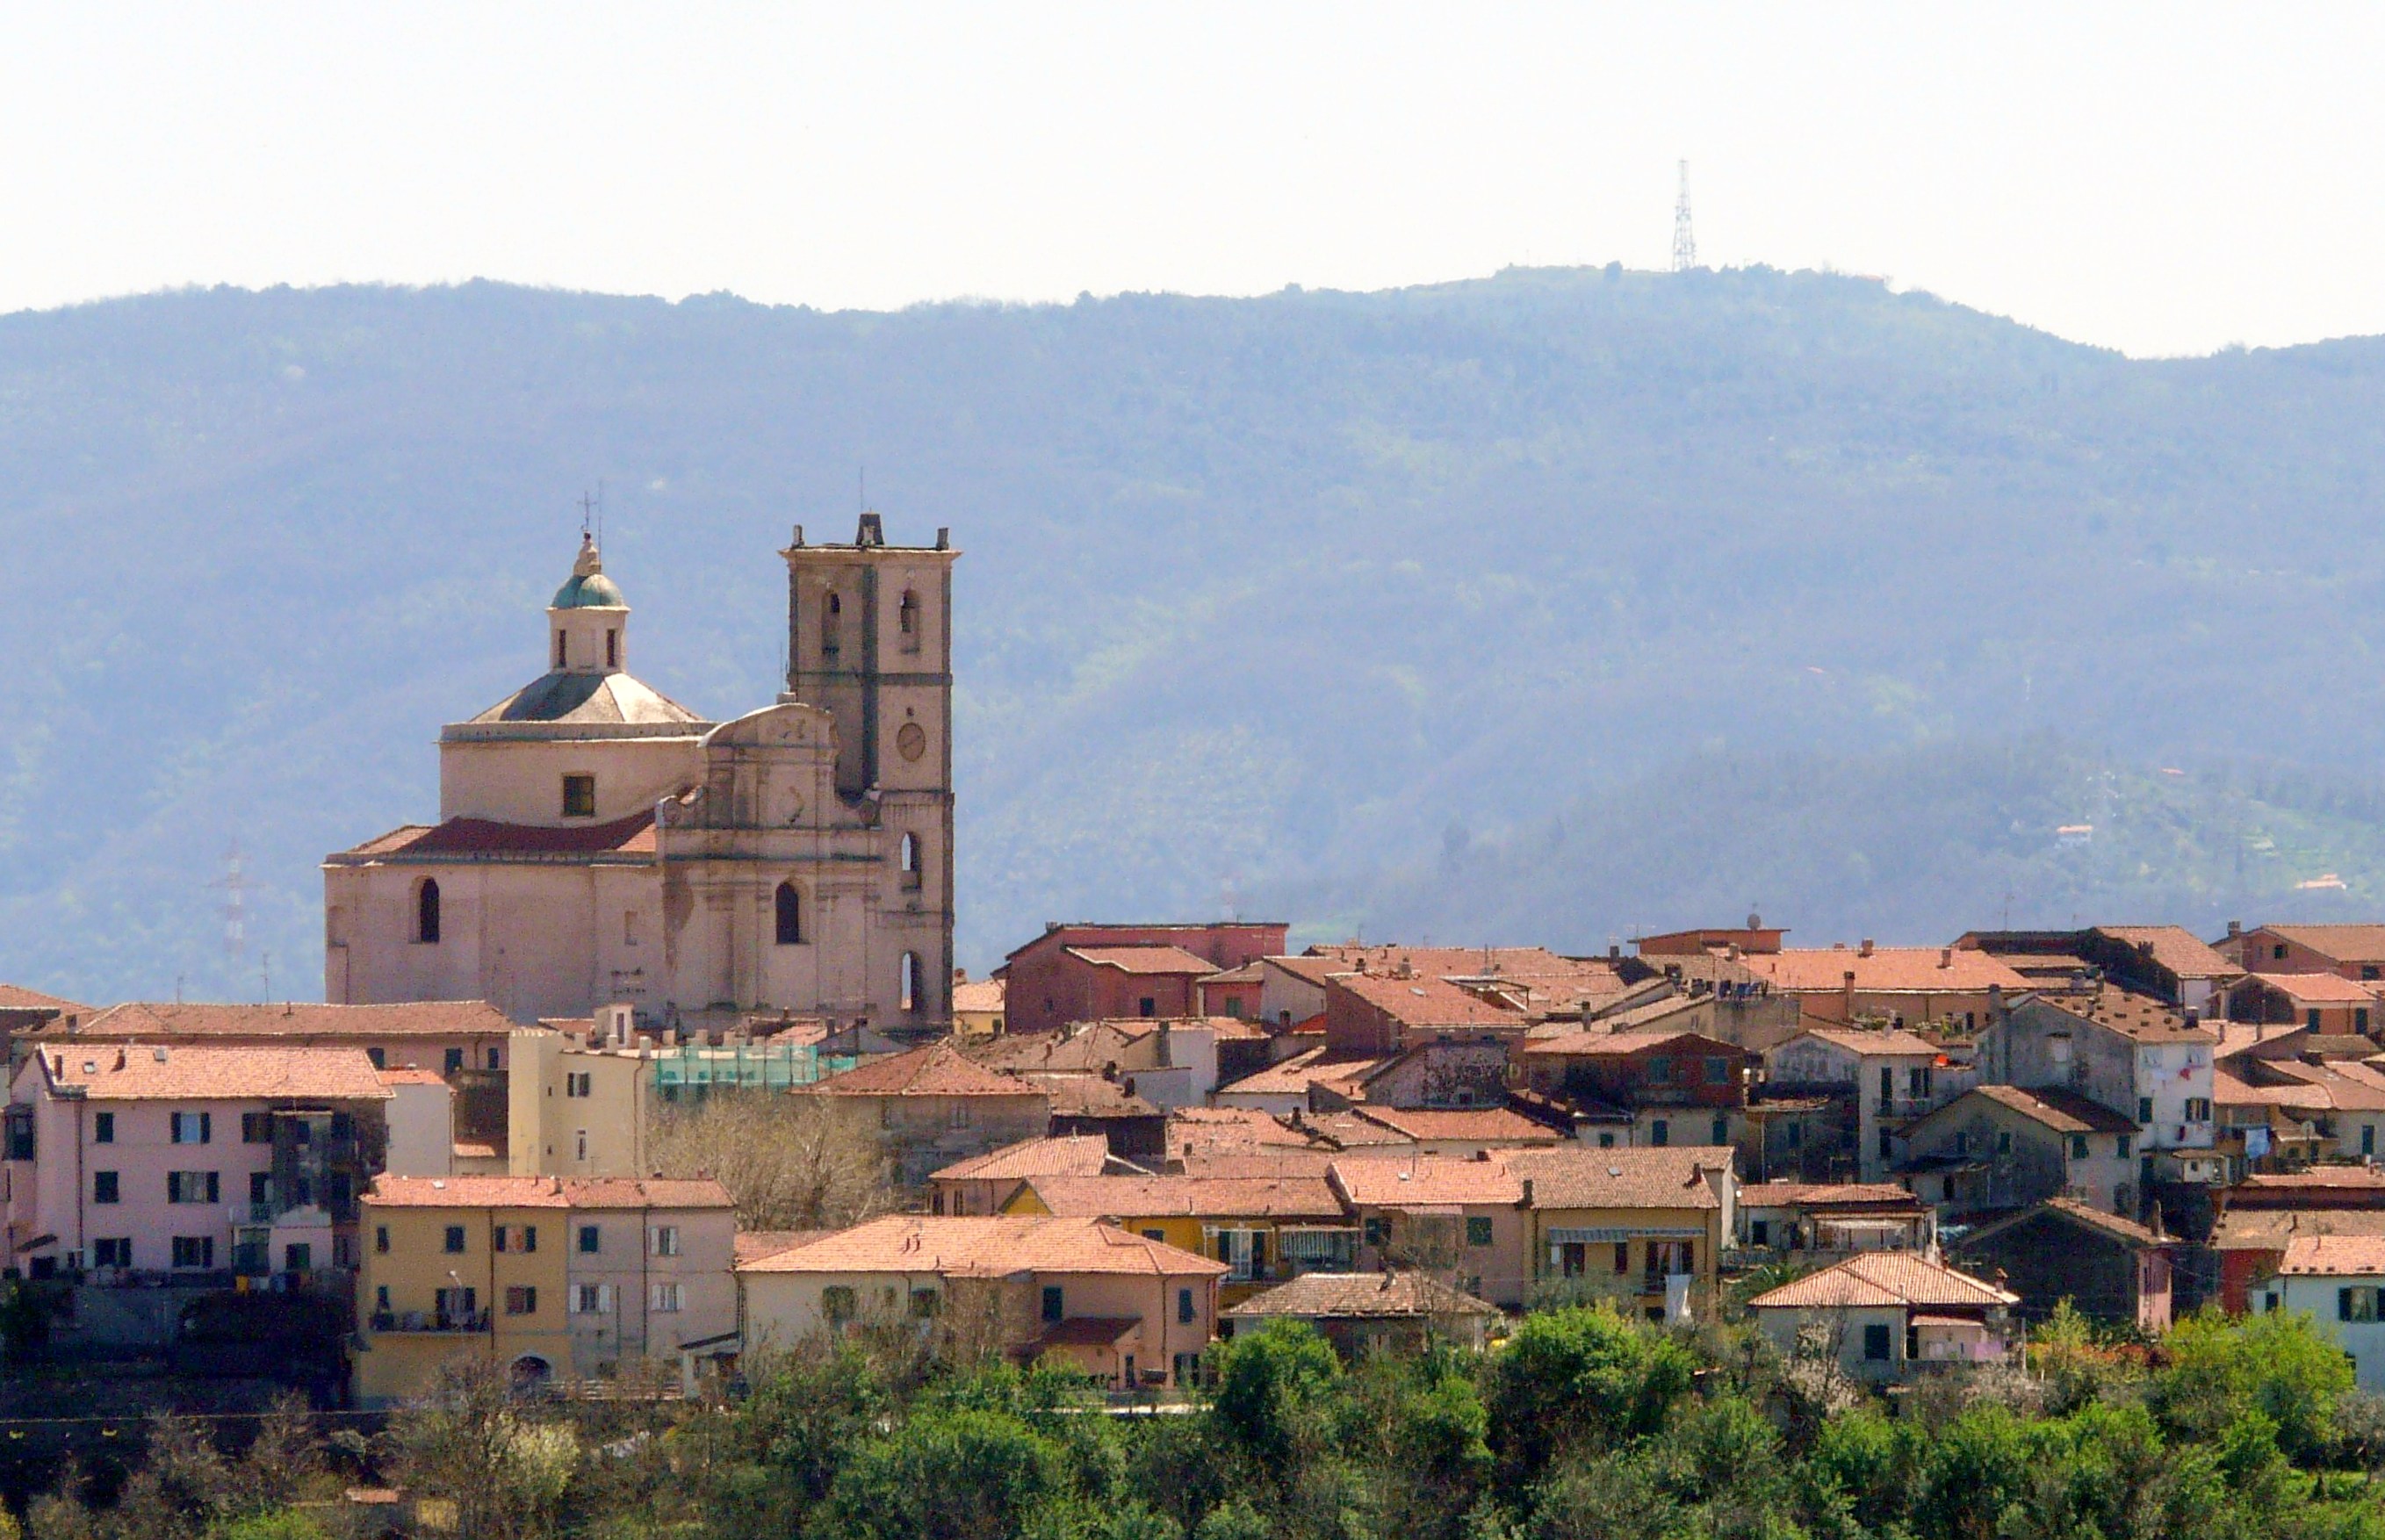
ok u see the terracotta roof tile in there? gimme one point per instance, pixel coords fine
(486, 839)
(1361, 1296)
(16, 997)
(1643, 1177)
(2064, 1111)
(1067, 1155)
(1221, 1129)
(1147, 960)
(2175, 949)
(1347, 1130)
(1292, 1076)
(412, 1076)
(1884, 1043)
(996, 1247)
(980, 994)
(138, 1071)
(1482, 1124)
(2271, 1229)
(2354, 943)
(2335, 1256)
(1090, 1096)
(2320, 988)
(1381, 1181)
(1887, 970)
(545, 1192)
(155, 1021)
(938, 1069)
(1618, 1045)
(751, 1246)
(1130, 1197)
(1425, 1002)
(1885, 1279)
(1825, 1195)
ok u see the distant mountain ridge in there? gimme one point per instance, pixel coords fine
(1337, 604)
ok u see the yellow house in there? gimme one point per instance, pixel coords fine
(1642, 1227)
(541, 1276)
(574, 1110)
(1265, 1229)
(977, 1006)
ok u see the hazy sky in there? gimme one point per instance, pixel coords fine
(2161, 178)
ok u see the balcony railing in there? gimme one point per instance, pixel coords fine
(430, 1321)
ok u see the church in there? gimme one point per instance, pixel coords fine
(600, 844)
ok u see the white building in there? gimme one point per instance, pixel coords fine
(2339, 1280)
(598, 842)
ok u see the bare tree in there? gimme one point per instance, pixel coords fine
(788, 1163)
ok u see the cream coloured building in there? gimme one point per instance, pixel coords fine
(600, 843)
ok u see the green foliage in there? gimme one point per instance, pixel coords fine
(944, 1474)
(1582, 1373)
(2282, 1365)
(1272, 1385)
(282, 1525)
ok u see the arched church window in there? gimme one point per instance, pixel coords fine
(426, 911)
(830, 622)
(562, 650)
(907, 618)
(914, 995)
(910, 860)
(612, 647)
(790, 915)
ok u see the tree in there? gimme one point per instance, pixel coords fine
(788, 1162)
(1582, 1373)
(471, 1443)
(2279, 1364)
(1271, 1388)
(945, 1475)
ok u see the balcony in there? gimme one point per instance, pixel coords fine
(427, 1322)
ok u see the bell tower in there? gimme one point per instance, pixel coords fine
(870, 641)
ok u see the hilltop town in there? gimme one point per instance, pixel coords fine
(645, 1079)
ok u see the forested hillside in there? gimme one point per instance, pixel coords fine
(1535, 608)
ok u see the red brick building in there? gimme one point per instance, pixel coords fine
(1077, 973)
(1386, 1013)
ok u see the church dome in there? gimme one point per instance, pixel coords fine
(588, 588)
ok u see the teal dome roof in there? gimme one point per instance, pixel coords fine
(588, 588)
(595, 592)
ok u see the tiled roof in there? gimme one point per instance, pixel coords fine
(983, 1248)
(1618, 1045)
(1643, 1177)
(1879, 1279)
(1147, 960)
(1886, 970)
(413, 1076)
(591, 699)
(1068, 1155)
(1293, 1076)
(16, 997)
(2359, 1178)
(939, 1069)
(1187, 1196)
(751, 1246)
(2175, 949)
(1885, 1043)
(2271, 1229)
(2335, 1256)
(486, 839)
(1219, 1129)
(1314, 970)
(2135, 1017)
(1424, 1001)
(1090, 1096)
(2110, 1224)
(1391, 1182)
(1823, 1195)
(141, 1072)
(2064, 1111)
(545, 1192)
(1483, 1125)
(2232, 1090)
(1361, 1296)
(2349, 1086)
(1526, 964)
(980, 994)
(155, 1020)
(2320, 988)
(1254, 1161)
(1347, 1130)
(1249, 972)
(2343, 943)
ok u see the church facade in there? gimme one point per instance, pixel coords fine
(598, 843)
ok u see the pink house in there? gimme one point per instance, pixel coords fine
(124, 1159)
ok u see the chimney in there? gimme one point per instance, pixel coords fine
(1945, 957)
(1865, 951)
(2235, 928)
(1847, 994)
(1167, 1046)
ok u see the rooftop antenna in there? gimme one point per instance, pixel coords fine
(587, 514)
(1685, 246)
(862, 489)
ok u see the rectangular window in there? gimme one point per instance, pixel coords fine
(1478, 1231)
(2144, 1109)
(2198, 1109)
(452, 1062)
(1876, 1343)
(112, 1253)
(491, 1060)
(256, 1127)
(2003, 1141)
(2368, 1138)
(521, 1300)
(925, 1303)
(2078, 1146)
(1717, 1072)
(380, 1239)
(2357, 1303)
(664, 1239)
(379, 1056)
(260, 1186)
(102, 1128)
(1660, 1132)
(193, 1187)
(1622, 1256)
(578, 1083)
(298, 1256)
(1659, 1071)
(590, 1240)
(194, 1128)
(1720, 1132)
(580, 796)
(836, 1304)
(2120, 1146)
(497, 1238)
(582, 1143)
(1185, 1307)
(663, 1298)
(530, 1237)
(195, 1251)
(1053, 1306)
(1378, 1230)
(455, 1242)
(1759, 1232)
